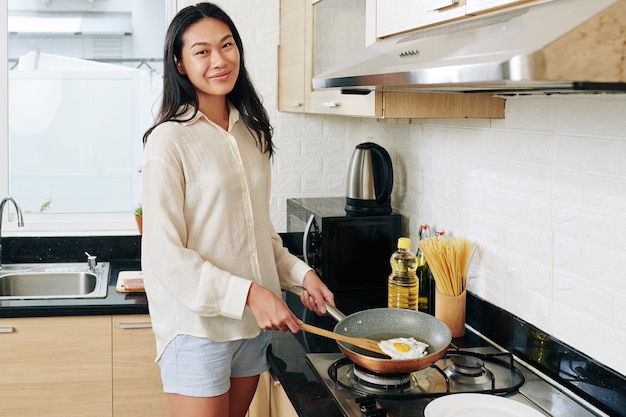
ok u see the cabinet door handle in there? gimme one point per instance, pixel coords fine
(439, 5)
(296, 104)
(7, 329)
(331, 104)
(135, 325)
(275, 380)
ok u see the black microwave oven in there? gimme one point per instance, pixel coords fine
(349, 253)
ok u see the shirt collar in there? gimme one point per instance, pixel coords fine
(233, 116)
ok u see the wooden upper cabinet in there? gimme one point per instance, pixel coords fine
(313, 35)
(291, 57)
(316, 34)
(481, 6)
(397, 16)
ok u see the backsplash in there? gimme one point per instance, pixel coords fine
(542, 192)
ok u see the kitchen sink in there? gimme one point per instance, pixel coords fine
(53, 280)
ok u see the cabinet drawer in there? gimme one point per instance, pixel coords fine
(137, 387)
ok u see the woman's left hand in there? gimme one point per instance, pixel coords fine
(316, 294)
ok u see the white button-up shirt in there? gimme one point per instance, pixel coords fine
(207, 233)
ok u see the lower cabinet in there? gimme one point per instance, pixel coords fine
(55, 366)
(95, 366)
(87, 366)
(137, 388)
(280, 405)
(260, 406)
(271, 399)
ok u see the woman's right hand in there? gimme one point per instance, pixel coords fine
(270, 312)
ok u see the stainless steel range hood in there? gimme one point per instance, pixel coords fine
(552, 47)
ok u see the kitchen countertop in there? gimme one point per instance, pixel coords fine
(113, 303)
(122, 252)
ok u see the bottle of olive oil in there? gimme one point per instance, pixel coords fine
(402, 288)
(423, 274)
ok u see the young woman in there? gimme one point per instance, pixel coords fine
(213, 263)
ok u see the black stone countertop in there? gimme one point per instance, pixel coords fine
(113, 303)
(122, 252)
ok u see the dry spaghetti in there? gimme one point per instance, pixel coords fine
(448, 260)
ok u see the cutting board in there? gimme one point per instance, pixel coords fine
(127, 275)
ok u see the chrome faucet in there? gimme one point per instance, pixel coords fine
(20, 219)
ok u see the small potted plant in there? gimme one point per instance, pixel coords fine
(139, 218)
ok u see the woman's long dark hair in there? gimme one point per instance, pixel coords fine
(179, 93)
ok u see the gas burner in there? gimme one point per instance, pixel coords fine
(386, 381)
(457, 371)
(467, 369)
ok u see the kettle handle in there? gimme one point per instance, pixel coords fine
(385, 167)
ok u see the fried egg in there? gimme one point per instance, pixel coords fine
(403, 348)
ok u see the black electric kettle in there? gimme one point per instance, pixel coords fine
(370, 181)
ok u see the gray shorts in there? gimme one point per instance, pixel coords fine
(199, 367)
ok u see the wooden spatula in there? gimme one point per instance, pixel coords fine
(367, 344)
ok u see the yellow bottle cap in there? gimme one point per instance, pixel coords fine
(404, 243)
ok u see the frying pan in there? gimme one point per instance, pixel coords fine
(388, 323)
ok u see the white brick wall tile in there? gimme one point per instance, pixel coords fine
(589, 115)
(488, 173)
(500, 144)
(568, 290)
(313, 147)
(583, 225)
(335, 164)
(286, 184)
(334, 146)
(568, 187)
(335, 126)
(620, 166)
(466, 123)
(530, 243)
(504, 204)
(585, 154)
(605, 193)
(538, 213)
(598, 337)
(334, 185)
(540, 149)
(604, 268)
(568, 255)
(527, 179)
(528, 304)
(323, 185)
(566, 324)
(620, 234)
(531, 113)
(485, 230)
(619, 313)
(538, 279)
(300, 165)
(313, 126)
(286, 146)
(279, 220)
(571, 116)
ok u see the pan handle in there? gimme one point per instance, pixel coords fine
(332, 311)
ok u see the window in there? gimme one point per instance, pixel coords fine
(83, 82)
